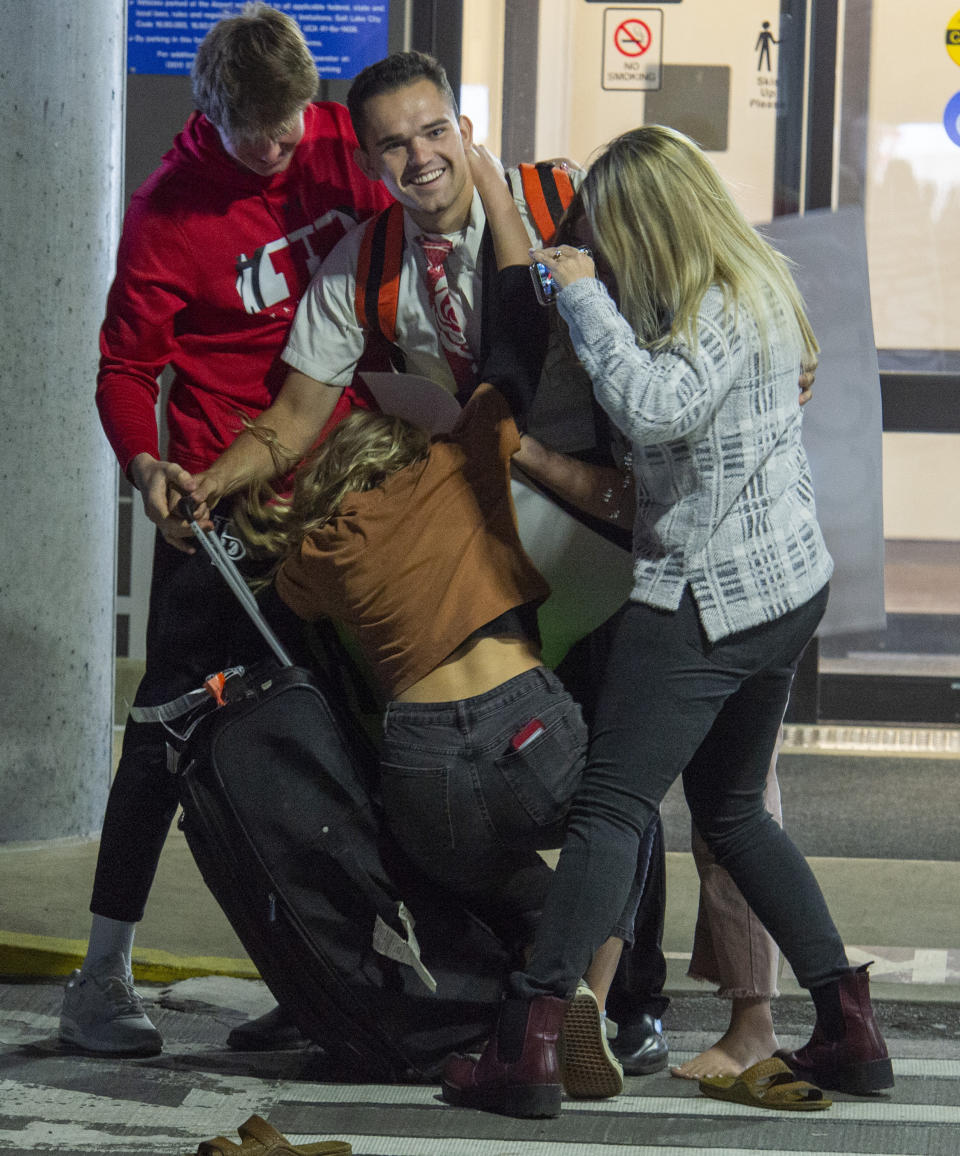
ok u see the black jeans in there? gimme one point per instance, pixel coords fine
(469, 809)
(637, 987)
(195, 627)
(673, 703)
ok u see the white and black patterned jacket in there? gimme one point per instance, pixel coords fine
(724, 494)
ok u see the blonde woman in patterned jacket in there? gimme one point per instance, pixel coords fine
(691, 335)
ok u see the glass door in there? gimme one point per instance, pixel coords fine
(838, 127)
(899, 125)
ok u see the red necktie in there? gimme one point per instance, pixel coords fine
(448, 315)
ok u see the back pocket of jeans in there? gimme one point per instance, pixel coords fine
(544, 774)
(416, 806)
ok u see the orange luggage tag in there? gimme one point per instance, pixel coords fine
(214, 686)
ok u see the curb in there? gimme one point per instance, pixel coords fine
(42, 956)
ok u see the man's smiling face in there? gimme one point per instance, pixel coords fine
(414, 142)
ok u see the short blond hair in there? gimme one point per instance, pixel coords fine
(254, 73)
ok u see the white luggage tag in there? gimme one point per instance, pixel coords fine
(390, 943)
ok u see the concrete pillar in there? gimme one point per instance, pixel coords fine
(62, 69)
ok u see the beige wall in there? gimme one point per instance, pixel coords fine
(575, 115)
(921, 495)
(482, 69)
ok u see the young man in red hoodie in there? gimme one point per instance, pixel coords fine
(217, 247)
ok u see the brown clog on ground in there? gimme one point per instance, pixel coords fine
(258, 1138)
(769, 1084)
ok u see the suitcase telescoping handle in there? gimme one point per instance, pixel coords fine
(225, 564)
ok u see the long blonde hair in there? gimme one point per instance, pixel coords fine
(359, 454)
(666, 225)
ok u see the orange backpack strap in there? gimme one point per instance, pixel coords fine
(547, 191)
(378, 273)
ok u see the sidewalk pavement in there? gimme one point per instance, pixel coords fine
(902, 913)
(198, 983)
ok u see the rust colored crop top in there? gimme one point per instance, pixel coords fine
(415, 566)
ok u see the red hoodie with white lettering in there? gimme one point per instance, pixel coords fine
(212, 262)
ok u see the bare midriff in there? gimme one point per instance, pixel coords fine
(479, 665)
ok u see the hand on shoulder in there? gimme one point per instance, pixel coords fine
(486, 170)
(807, 376)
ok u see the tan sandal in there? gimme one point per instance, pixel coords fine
(258, 1138)
(769, 1084)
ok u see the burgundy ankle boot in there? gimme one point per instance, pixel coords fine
(518, 1073)
(846, 1051)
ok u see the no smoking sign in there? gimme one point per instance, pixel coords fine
(632, 48)
(632, 37)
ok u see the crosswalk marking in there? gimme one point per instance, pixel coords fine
(368, 1145)
(877, 1110)
(51, 1100)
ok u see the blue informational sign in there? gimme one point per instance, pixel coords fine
(344, 37)
(951, 118)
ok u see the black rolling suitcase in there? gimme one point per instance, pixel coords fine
(280, 811)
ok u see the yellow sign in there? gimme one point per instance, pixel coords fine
(953, 38)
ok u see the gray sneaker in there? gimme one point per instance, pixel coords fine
(103, 1013)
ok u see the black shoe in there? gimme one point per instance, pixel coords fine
(640, 1046)
(272, 1032)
